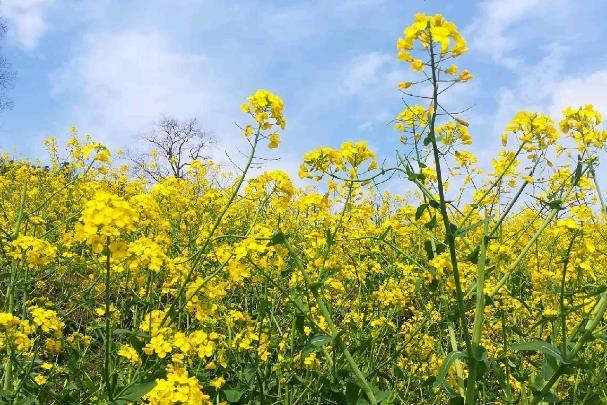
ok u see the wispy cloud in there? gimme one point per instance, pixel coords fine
(27, 20)
(494, 29)
(121, 83)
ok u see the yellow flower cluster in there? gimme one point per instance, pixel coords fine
(268, 110)
(430, 30)
(349, 158)
(105, 217)
(451, 133)
(582, 125)
(177, 388)
(37, 253)
(16, 331)
(535, 131)
(146, 254)
(47, 320)
(129, 353)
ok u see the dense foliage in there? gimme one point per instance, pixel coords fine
(224, 288)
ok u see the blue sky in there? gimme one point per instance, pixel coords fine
(113, 67)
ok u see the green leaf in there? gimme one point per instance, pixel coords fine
(299, 323)
(233, 395)
(473, 256)
(429, 249)
(432, 223)
(134, 392)
(29, 400)
(128, 332)
(463, 231)
(544, 347)
(381, 395)
(578, 172)
(420, 211)
(352, 393)
(592, 399)
(277, 238)
(442, 372)
(555, 205)
(453, 228)
(385, 233)
(315, 343)
(434, 204)
(320, 340)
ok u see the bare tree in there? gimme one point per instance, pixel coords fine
(172, 146)
(7, 75)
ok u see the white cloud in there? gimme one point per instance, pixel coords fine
(123, 82)
(490, 32)
(577, 91)
(533, 90)
(26, 20)
(366, 70)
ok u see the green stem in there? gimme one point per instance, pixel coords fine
(528, 246)
(10, 304)
(595, 317)
(198, 255)
(108, 324)
(449, 236)
(479, 315)
(332, 328)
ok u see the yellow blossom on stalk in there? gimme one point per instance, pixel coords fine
(159, 346)
(404, 85)
(105, 216)
(40, 379)
(177, 388)
(582, 125)
(129, 353)
(274, 140)
(534, 130)
(38, 253)
(46, 319)
(146, 254)
(349, 158)
(464, 76)
(451, 132)
(248, 131)
(413, 118)
(431, 29)
(441, 264)
(16, 330)
(417, 65)
(47, 366)
(266, 108)
(451, 70)
(217, 382)
(152, 323)
(465, 158)
(429, 173)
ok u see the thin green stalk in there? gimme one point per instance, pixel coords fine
(479, 315)
(198, 255)
(595, 317)
(458, 363)
(598, 191)
(332, 328)
(563, 314)
(528, 246)
(108, 324)
(10, 304)
(449, 236)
